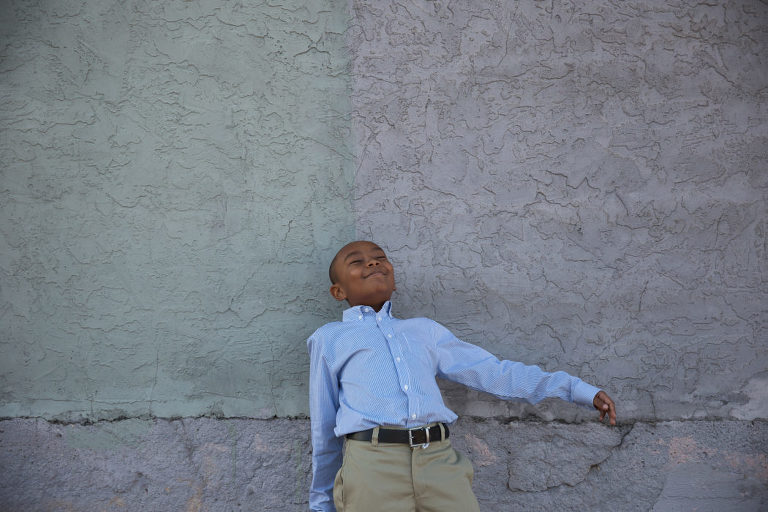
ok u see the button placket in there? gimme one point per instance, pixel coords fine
(413, 402)
(396, 350)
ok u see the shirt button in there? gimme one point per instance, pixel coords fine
(413, 416)
(378, 318)
(360, 317)
(406, 387)
(389, 335)
(397, 359)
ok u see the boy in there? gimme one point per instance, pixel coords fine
(372, 380)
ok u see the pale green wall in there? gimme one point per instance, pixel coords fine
(175, 177)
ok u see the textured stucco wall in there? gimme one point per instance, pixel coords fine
(175, 177)
(577, 185)
(582, 188)
(580, 185)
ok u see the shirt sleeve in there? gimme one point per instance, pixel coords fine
(326, 447)
(478, 369)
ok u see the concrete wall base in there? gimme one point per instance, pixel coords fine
(239, 464)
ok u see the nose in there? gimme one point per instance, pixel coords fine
(372, 262)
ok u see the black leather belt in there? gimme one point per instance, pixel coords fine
(419, 436)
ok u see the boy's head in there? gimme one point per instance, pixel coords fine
(361, 274)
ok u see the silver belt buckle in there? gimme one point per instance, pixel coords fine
(410, 437)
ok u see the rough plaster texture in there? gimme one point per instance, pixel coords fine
(233, 465)
(577, 185)
(175, 177)
(580, 185)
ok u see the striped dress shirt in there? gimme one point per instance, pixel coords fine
(373, 369)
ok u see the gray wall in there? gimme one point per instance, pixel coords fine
(576, 185)
(582, 186)
(207, 464)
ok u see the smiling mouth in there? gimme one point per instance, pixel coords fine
(375, 273)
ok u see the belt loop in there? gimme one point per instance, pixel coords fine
(442, 431)
(375, 436)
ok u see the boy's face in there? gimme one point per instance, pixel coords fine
(364, 275)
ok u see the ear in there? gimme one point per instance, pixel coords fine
(338, 292)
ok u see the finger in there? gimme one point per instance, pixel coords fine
(610, 409)
(599, 402)
(605, 405)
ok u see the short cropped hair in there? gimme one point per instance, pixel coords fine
(332, 269)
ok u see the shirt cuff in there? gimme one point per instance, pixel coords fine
(584, 394)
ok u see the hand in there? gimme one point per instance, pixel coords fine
(604, 404)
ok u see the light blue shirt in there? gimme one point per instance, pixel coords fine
(373, 369)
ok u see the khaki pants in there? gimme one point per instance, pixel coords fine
(383, 477)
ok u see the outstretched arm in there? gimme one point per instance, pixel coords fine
(478, 369)
(604, 404)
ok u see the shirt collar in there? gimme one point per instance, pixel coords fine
(357, 313)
